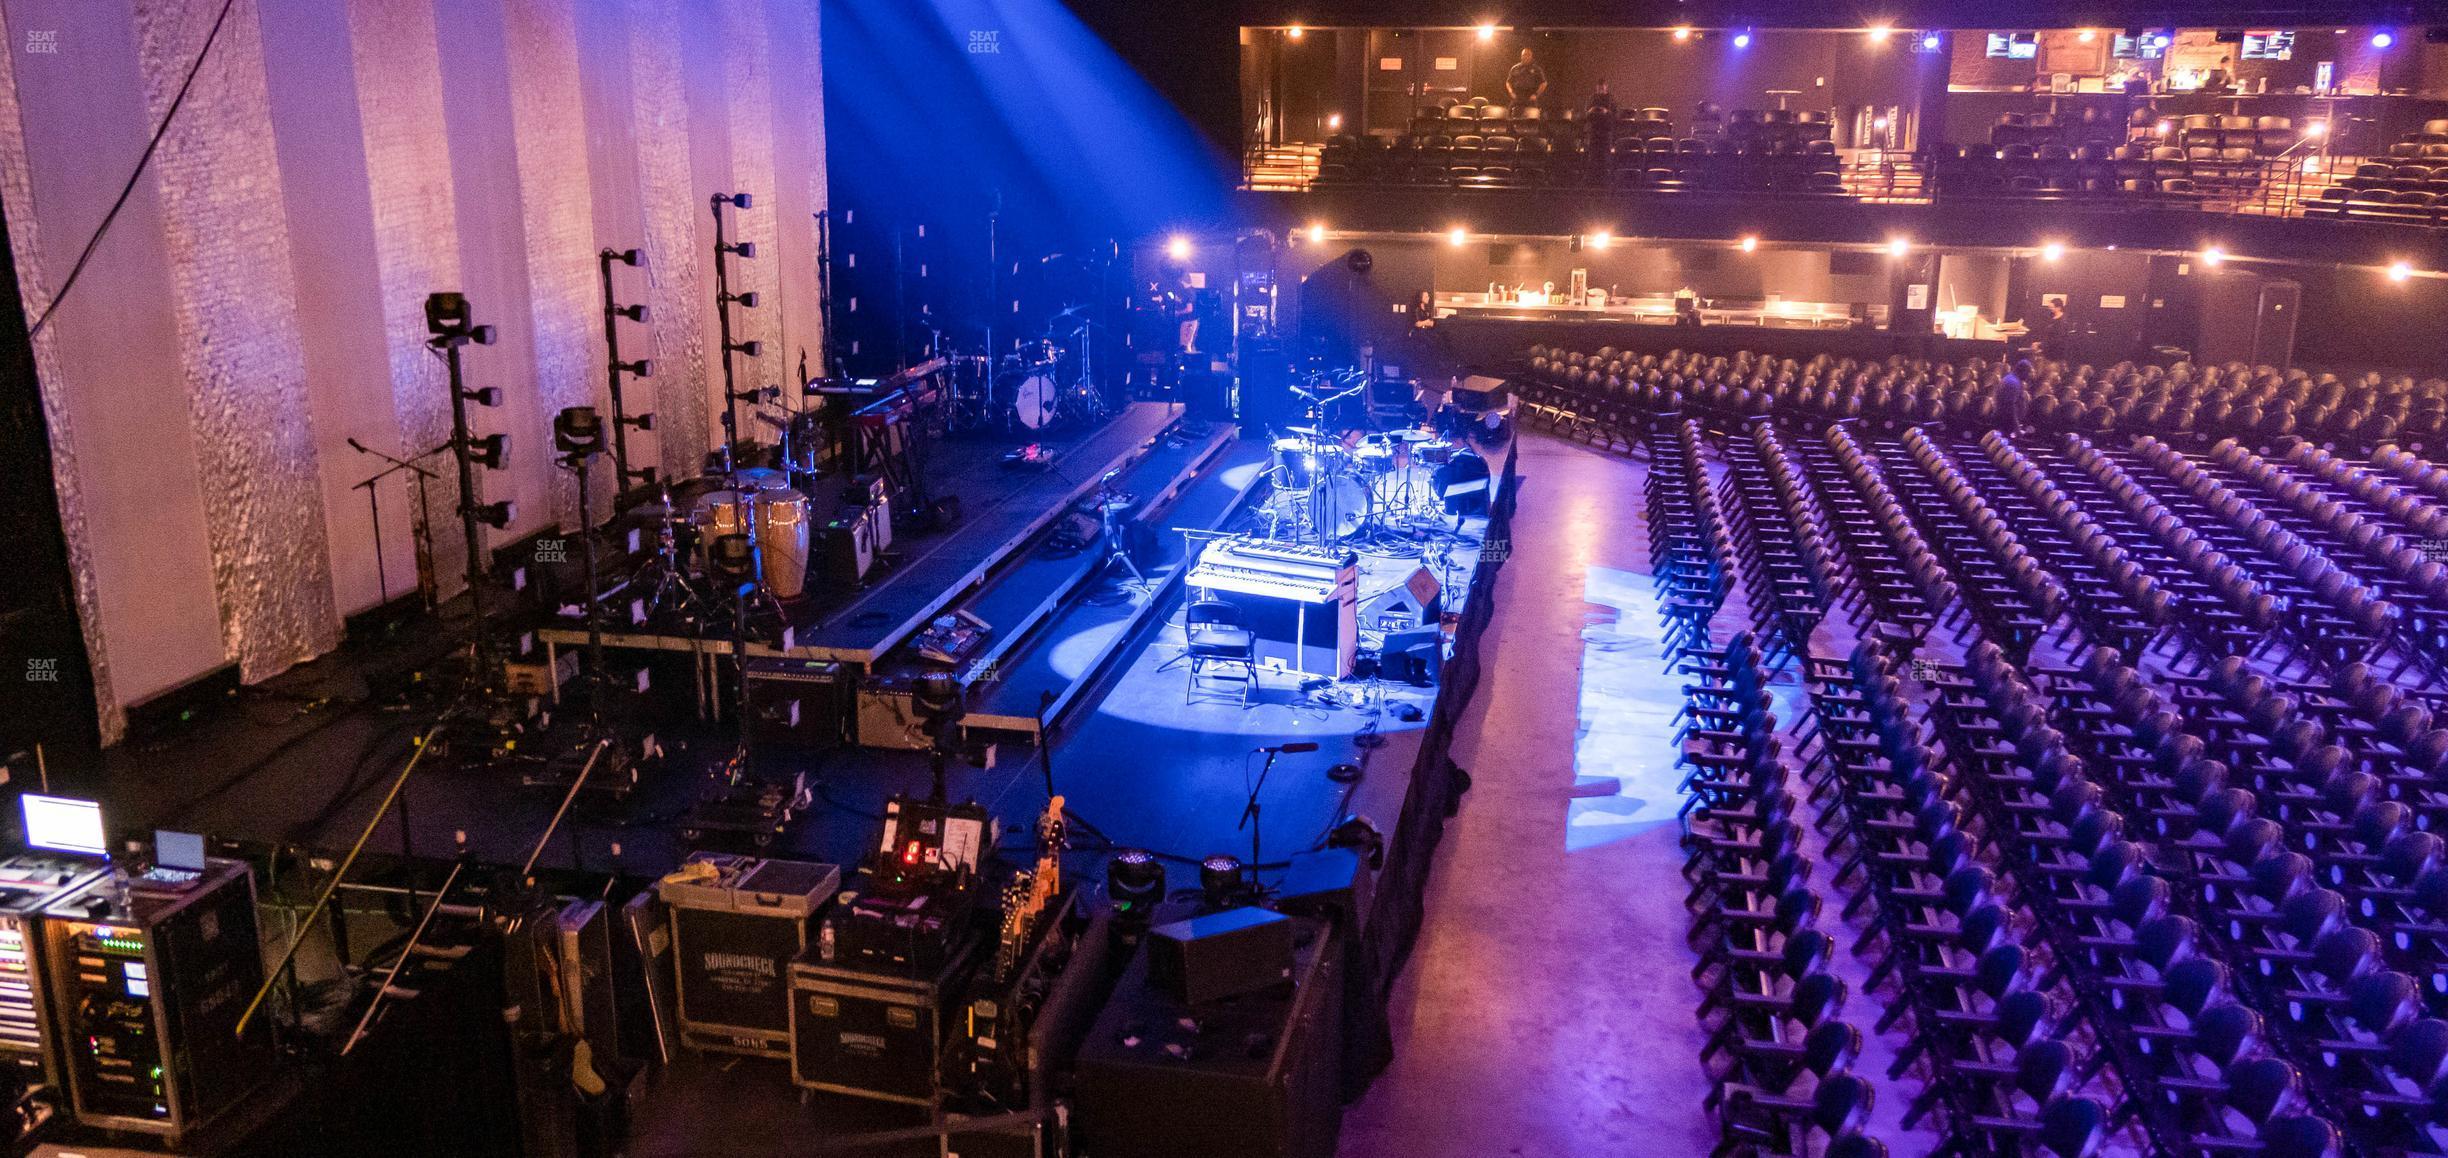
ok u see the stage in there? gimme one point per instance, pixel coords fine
(1141, 763)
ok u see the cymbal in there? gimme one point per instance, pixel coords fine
(1306, 431)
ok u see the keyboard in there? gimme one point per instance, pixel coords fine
(158, 877)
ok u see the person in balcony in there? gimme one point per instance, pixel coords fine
(1526, 83)
(1598, 120)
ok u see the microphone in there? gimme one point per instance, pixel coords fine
(1295, 746)
(359, 447)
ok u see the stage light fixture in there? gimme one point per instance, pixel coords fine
(636, 313)
(1487, 32)
(496, 515)
(1600, 239)
(1930, 42)
(1220, 879)
(624, 256)
(2213, 256)
(640, 421)
(1317, 234)
(1898, 247)
(578, 430)
(1750, 244)
(1295, 32)
(1880, 32)
(484, 395)
(746, 249)
(1359, 261)
(1456, 236)
(2383, 38)
(489, 451)
(1134, 883)
(1334, 122)
(734, 200)
(2052, 251)
(2400, 270)
(642, 368)
(1682, 33)
(751, 347)
(1742, 39)
(1178, 248)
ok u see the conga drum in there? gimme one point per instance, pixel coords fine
(782, 540)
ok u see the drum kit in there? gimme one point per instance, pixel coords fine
(1044, 382)
(1335, 481)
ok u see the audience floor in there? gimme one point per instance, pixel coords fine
(1548, 1007)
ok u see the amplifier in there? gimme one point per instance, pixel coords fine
(799, 703)
(870, 1034)
(737, 923)
(845, 549)
(1225, 954)
(1255, 1076)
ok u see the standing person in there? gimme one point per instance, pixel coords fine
(2014, 398)
(1599, 121)
(1526, 83)
(2048, 334)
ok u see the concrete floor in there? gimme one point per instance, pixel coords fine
(1548, 1009)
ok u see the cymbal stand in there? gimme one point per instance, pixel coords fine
(670, 593)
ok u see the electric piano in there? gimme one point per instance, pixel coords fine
(1299, 602)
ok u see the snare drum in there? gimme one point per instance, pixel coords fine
(1296, 463)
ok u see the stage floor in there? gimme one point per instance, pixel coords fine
(1140, 764)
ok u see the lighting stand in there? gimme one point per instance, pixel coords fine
(617, 370)
(448, 319)
(724, 299)
(828, 363)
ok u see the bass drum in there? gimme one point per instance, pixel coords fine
(1342, 504)
(1031, 399)
(782, 541)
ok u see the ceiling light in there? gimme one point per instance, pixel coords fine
(1750, 244)
(2052, 251)
(1898, 247)
(1930, 42)
(1682, 32)
(1880, 32)
(2400, 270)
(1742, 40)
(2213, 256)
(1334, 121)
(1317, 233)
(2086, 36)
(1457, 235)
(1294, 32)
(1600, 239)
(1487, 32)
(2383, 39)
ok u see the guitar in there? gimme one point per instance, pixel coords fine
(1026, 897)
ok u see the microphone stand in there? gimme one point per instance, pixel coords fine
(416, 528)
(1250, 811)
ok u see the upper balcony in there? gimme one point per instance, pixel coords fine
(2325, 144)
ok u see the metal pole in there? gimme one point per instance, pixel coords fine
(567, 799)
(306, 923)
(390, 975)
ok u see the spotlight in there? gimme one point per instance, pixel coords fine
(1898, 247)
(1930, 42)
(1220, 880)
(1134, 883)
(1682, 32)
(2213, 256)
(1359, 261)
(2317, 129)
(1457, 235)
(1487, 32)
(1880, 32)
(578, 430)
(2400, 270)
(641, 421)
(496, 515)
(2052, 251)
(2086, 36)
(1750, 244)
(1742, 39)
(484, 395)
(1295, 32)
(2163, 127)
(1601, 239)
(1178, 248)
(1317, 234)
(1334, 122)
(642, 368)
(2383, 39)
(490, 451)
(624, 256)
(734, 200)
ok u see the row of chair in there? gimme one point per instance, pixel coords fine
(1605, 393)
